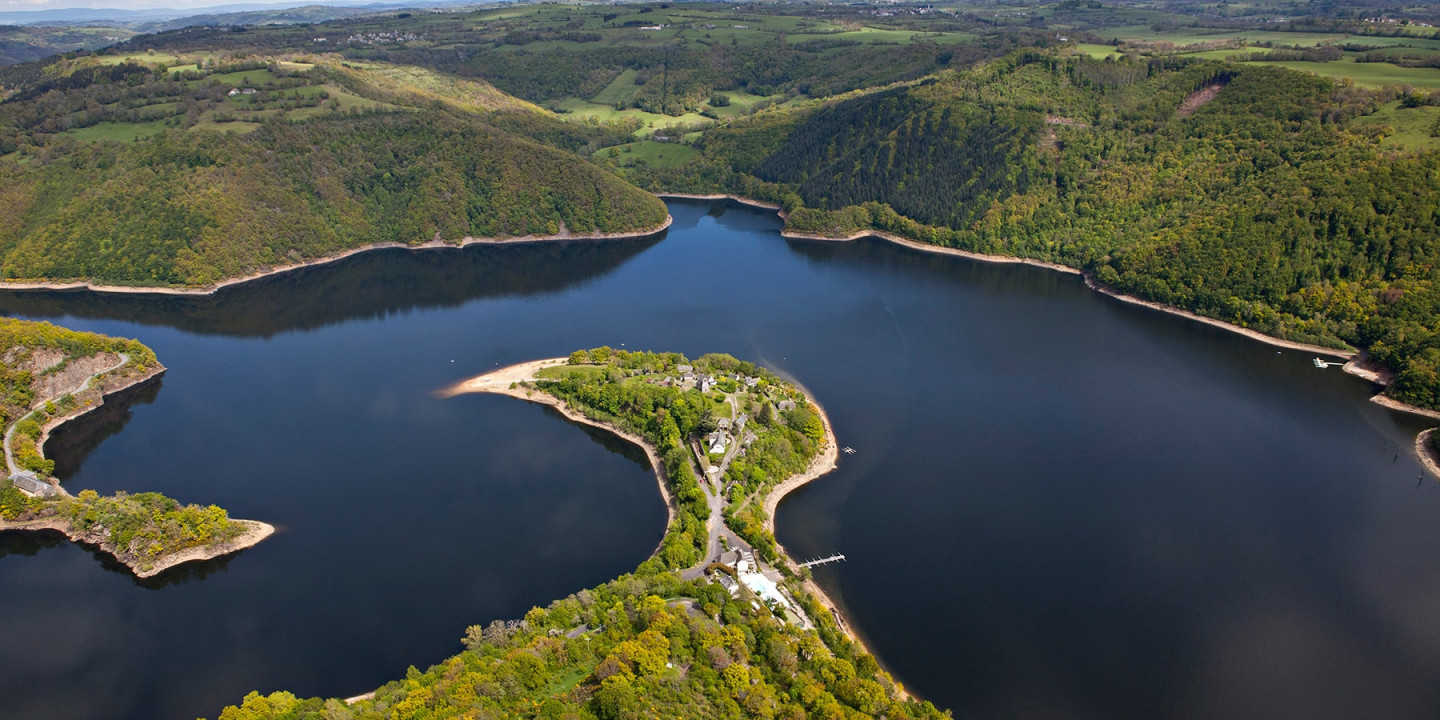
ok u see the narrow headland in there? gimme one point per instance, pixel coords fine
(92, 393)
(514, 381)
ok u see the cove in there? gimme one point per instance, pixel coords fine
(1059, 504)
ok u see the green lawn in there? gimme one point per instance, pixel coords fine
(564, 371)
(1368, 75)
(619, 90)
(653, 154)
(578, 108)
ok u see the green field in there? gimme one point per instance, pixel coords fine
(1410, 128)
(1100, 52)
(619, 90)
(1367, 75)
(879, 36)
(245, 78)
(239, 128)
(1195, 36)
(741, 103)
(564, 371)
(147, 58)
(579, 109)
(651, 153)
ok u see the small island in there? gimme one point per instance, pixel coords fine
(717, 623)
(50, 375)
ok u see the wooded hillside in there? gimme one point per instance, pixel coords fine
(1263, 206)
(191, 205)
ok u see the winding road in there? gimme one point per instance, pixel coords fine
(84, 385)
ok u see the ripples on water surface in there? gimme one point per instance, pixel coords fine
(1061, 505)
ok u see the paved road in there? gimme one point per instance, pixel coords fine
(84, 385)
(716, 526)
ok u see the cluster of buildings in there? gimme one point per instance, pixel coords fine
(749, 575)
(704, 382)
(378, 38)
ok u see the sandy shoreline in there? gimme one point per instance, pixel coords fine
(823, 462)
(431, 245)
(254, 532)
(1429, 457)
(499, 381)
(721, 196)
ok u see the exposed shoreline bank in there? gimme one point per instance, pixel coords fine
(723, 196)
(106, 393)
(1429, 456)
(252, 533)
(499, 382)
(213, 288)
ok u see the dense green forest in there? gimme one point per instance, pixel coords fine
(647, 645)
(1263, 207)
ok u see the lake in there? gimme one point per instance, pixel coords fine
(1060, 505)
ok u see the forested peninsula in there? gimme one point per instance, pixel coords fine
(717, 623)
(49, 375)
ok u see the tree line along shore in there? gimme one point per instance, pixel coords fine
(1248, 194)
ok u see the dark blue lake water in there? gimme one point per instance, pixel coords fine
(1061, 506)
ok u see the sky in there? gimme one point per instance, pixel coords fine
(186, 6)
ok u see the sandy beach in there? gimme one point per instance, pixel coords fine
(499, 382)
